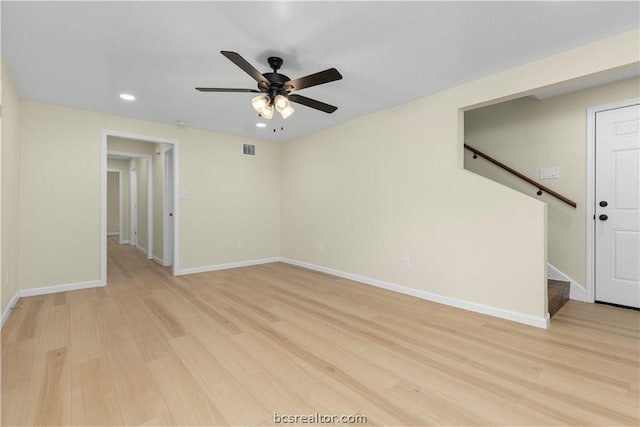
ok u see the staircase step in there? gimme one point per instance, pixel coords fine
(558, 295)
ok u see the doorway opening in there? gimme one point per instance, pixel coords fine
(148, 169)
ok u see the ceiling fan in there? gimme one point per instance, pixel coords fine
(276, 89)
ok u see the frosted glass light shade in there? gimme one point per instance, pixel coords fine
(280, 102)
(267, 112)
(262, 104)
(287, 111)
(259, 102)
(283, 106)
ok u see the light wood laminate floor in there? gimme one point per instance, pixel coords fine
(234, 347)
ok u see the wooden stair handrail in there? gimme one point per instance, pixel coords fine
(540, 187)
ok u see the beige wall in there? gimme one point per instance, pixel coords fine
(123, 167)
(230, 196)
(224, 188)
(528, 134)
(113, 202)
(391, 185)
(123, 145)
(10, 187)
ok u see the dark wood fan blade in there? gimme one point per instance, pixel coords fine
(245, 66)
(222, 89)
(316, 79)
(312, 103)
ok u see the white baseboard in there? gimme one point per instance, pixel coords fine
(7, 311)
(577, 292)
(117, 233)
(124, 242)
(49, 290)
(158, 260)
(228, 265)
(61, 288)
(141, 249)
(527, 319)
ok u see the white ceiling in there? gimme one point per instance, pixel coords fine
(84, 54)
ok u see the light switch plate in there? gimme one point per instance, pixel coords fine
(550, 173)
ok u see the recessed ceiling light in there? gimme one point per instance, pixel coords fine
(261, 125)
(127, 97)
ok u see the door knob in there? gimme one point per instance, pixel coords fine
(603, 217)
(603, 204)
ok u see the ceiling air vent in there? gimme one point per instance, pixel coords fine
(248, 149)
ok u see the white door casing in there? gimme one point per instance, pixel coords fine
(133, 196)
(168, 207)
(617, 206)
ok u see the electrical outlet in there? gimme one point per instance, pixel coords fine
(407, 262)
(321, 247)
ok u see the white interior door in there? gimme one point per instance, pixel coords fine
(617, 198)
(168, 211)
(133, 196)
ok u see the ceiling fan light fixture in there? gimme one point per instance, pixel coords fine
(267, 111)
(281, 102)
(283, 106)
(286, 112)
(262, 104)
(259, 102)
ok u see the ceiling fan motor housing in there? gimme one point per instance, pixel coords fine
(277, 84)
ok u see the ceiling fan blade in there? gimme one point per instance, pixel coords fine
(322, 77)
(245, 66)
(312, 103)
(222, 89)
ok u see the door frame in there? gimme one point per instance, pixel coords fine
(590, 209)
(120, 207)
(133, 206)
(167, 209)
(105, 133)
